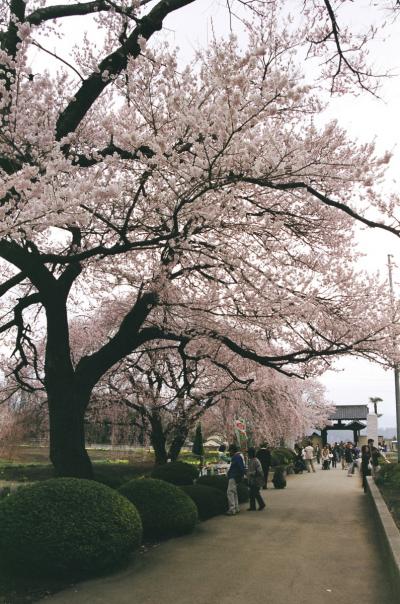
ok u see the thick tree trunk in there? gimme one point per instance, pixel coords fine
(67, 435)
(177, 443)
(67, 397)
(158, 439)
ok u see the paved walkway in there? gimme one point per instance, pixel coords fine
(313, 544)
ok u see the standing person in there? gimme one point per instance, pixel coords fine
(336, 453)
(342, 449)
(255, 476)
(235, 475)
(222, 455)
(308, 457)
(325, 457)
(365, 465)
(299, 464)
(351, 459)
(264, 455)
(374, 455)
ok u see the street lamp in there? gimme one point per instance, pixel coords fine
(396, 365)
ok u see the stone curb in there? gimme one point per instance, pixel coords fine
(389, 533)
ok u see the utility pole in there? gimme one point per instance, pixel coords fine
(396, 365)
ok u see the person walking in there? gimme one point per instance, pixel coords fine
(255, 477)
(342, 449)
(309, 457)
(264, 455)
(318, 453)
(365, 465)
(336, 455)
(375, 454)
(351, 459)
(325, 457)
(235, 475)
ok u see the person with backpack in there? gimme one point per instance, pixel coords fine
(235, 475)
(255, 477)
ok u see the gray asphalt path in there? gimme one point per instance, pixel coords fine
(315, 543)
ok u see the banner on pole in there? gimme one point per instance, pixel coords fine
(240, 430)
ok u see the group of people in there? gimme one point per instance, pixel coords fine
(348, 455)
(256, 471)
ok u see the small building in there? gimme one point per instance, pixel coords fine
(347, 417)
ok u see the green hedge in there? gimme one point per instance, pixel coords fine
(115, 475)
(209, 500)
(165, 510)
(389, 475)
(221, 483)
(67, 527)
(282, 456)
(177, 472)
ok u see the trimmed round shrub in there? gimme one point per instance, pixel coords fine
(209, 500)
(221, 483)
(176, 472)
(282, 456)
(165, 510)
(67, 527)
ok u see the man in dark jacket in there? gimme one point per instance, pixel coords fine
(350, 457)
(375, 454)
(264, 455)
(235, 474)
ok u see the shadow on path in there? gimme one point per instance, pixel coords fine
(315, 543)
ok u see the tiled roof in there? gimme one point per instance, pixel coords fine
(347, 412)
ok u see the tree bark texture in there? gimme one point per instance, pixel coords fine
(158, 439)
(67, 398)
(177, 443)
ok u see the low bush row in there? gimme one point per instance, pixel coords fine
(73, 528)
(67, 527)
(165, 510)
(389, 475)
(282, 456)
(209, 501)
(221, 483)
(177, 472)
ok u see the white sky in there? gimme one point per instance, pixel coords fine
(365, 118)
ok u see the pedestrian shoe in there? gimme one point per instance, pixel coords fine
(261, 508)
(230, 513)
(251, 509)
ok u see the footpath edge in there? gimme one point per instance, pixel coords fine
(388, 531)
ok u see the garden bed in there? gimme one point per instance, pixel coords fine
(388, 531)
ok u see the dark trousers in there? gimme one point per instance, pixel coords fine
(266, 472)
(254, 493)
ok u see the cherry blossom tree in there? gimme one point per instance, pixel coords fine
(197, 205)
(21, 420)
(169, 390)
(276, 408)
